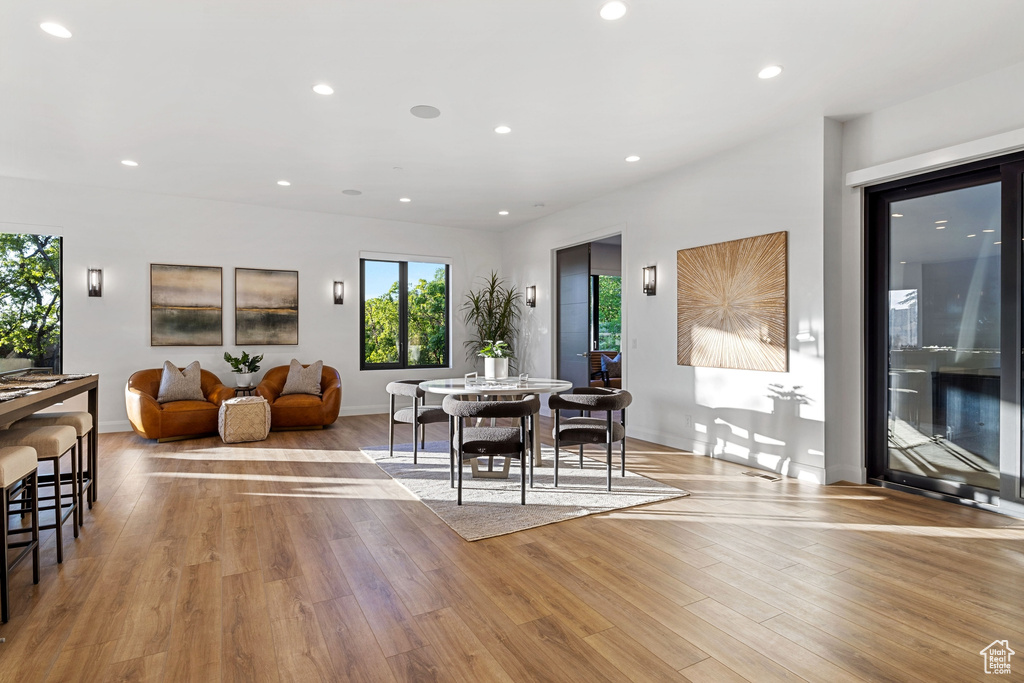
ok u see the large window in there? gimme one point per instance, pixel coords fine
(30, 301)
(607, 312)
(404, 314)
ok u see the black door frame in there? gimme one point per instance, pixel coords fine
(1009, 171)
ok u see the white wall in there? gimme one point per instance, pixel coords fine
(984, 106)
(773, 184)
(123, 232)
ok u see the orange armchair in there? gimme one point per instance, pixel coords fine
(301, 411)
(177, 419)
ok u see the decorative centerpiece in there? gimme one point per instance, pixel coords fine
(495, 355)
(245, 367)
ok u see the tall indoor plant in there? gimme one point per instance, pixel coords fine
(492, 314)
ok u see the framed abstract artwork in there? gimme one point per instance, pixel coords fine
(732, 304)
(266, 307)
(186, 305)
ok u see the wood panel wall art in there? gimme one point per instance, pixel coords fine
(732, 304)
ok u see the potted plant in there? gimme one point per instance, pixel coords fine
(245, 367)
(492, 314)
(495, 355)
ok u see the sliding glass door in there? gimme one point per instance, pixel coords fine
(943, 323)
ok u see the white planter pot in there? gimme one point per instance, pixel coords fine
(244, 379)
(495, 368)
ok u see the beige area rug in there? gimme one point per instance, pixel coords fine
(490, 507)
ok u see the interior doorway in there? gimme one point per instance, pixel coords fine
(588, 313)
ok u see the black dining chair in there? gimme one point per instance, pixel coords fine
(588, 429)
(473, 442)
(418, 414)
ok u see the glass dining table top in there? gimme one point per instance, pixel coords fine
(510, 386)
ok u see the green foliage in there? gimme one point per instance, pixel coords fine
(30, 298)
(427, 323)
(609, 312)
(492, 313)
(494, 349)
(244, 363)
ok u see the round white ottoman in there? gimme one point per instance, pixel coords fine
(246, 418)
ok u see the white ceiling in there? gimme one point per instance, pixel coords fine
(213, 97)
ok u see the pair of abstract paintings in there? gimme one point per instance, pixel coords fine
(186, 306)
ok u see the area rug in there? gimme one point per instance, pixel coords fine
(490, 507)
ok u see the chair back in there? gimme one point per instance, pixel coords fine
(523, 407)
(591, 398)
(406, 387)
(148, 381)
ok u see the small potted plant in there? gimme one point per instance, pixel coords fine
(245, 367)
(495, 355)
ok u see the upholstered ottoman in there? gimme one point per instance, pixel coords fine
(246, 418)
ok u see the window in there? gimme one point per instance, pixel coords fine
(404, 314)
(30, 301)
(607, 312)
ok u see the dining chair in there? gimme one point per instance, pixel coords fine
(587, 429)
(473, 442)
(419, 415)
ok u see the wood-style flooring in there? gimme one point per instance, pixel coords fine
(297, 559)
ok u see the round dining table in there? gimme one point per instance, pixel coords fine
(512, 386)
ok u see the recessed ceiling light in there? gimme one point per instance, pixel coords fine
(503, 213)
(610, 11)
(631, 158)
(352, 193)
(989, 230)
(55, 30)
(323, 89)
(283, 183)
(897, 215)
(502, 130)
(997, 242)
(972, 235)
(129, 162)
(903, 263)
(405, 200)
(937, 222)
(425, 111)
(940, 227)
(769, 71)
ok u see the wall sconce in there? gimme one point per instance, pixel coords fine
(650, 280)
(95, 282)
(339, 292)
(531, 296)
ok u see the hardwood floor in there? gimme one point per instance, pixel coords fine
(297, 559)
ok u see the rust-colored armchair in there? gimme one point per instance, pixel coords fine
(301, 411)
(177, 419)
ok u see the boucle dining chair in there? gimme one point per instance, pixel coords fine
(587, 429)
(472, 442)
(419, 415)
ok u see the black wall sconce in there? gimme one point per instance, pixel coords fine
(531, 296)
(650, 280)
(339, 292)
(95, 282)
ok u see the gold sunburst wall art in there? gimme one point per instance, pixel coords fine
(731, 307)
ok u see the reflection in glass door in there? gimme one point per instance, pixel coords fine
(944, 338)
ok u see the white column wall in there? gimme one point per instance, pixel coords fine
(775, 183)
(123, 232)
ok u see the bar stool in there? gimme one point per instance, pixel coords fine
(82, 422)
(51, 442)
(18, 467)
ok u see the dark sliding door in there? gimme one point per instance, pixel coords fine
(944, 300)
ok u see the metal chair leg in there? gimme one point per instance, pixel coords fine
(57, 509)
(415, 428)
(451, 450)
(391, 428)
(462, 431)
(5, 597)
(581, 456)
(557, 447)
(74, 493)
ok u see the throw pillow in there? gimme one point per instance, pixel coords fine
(303, 380)
(180, 385)
(613, 366)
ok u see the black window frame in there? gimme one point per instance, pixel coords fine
(403, 316)
(58, 361)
